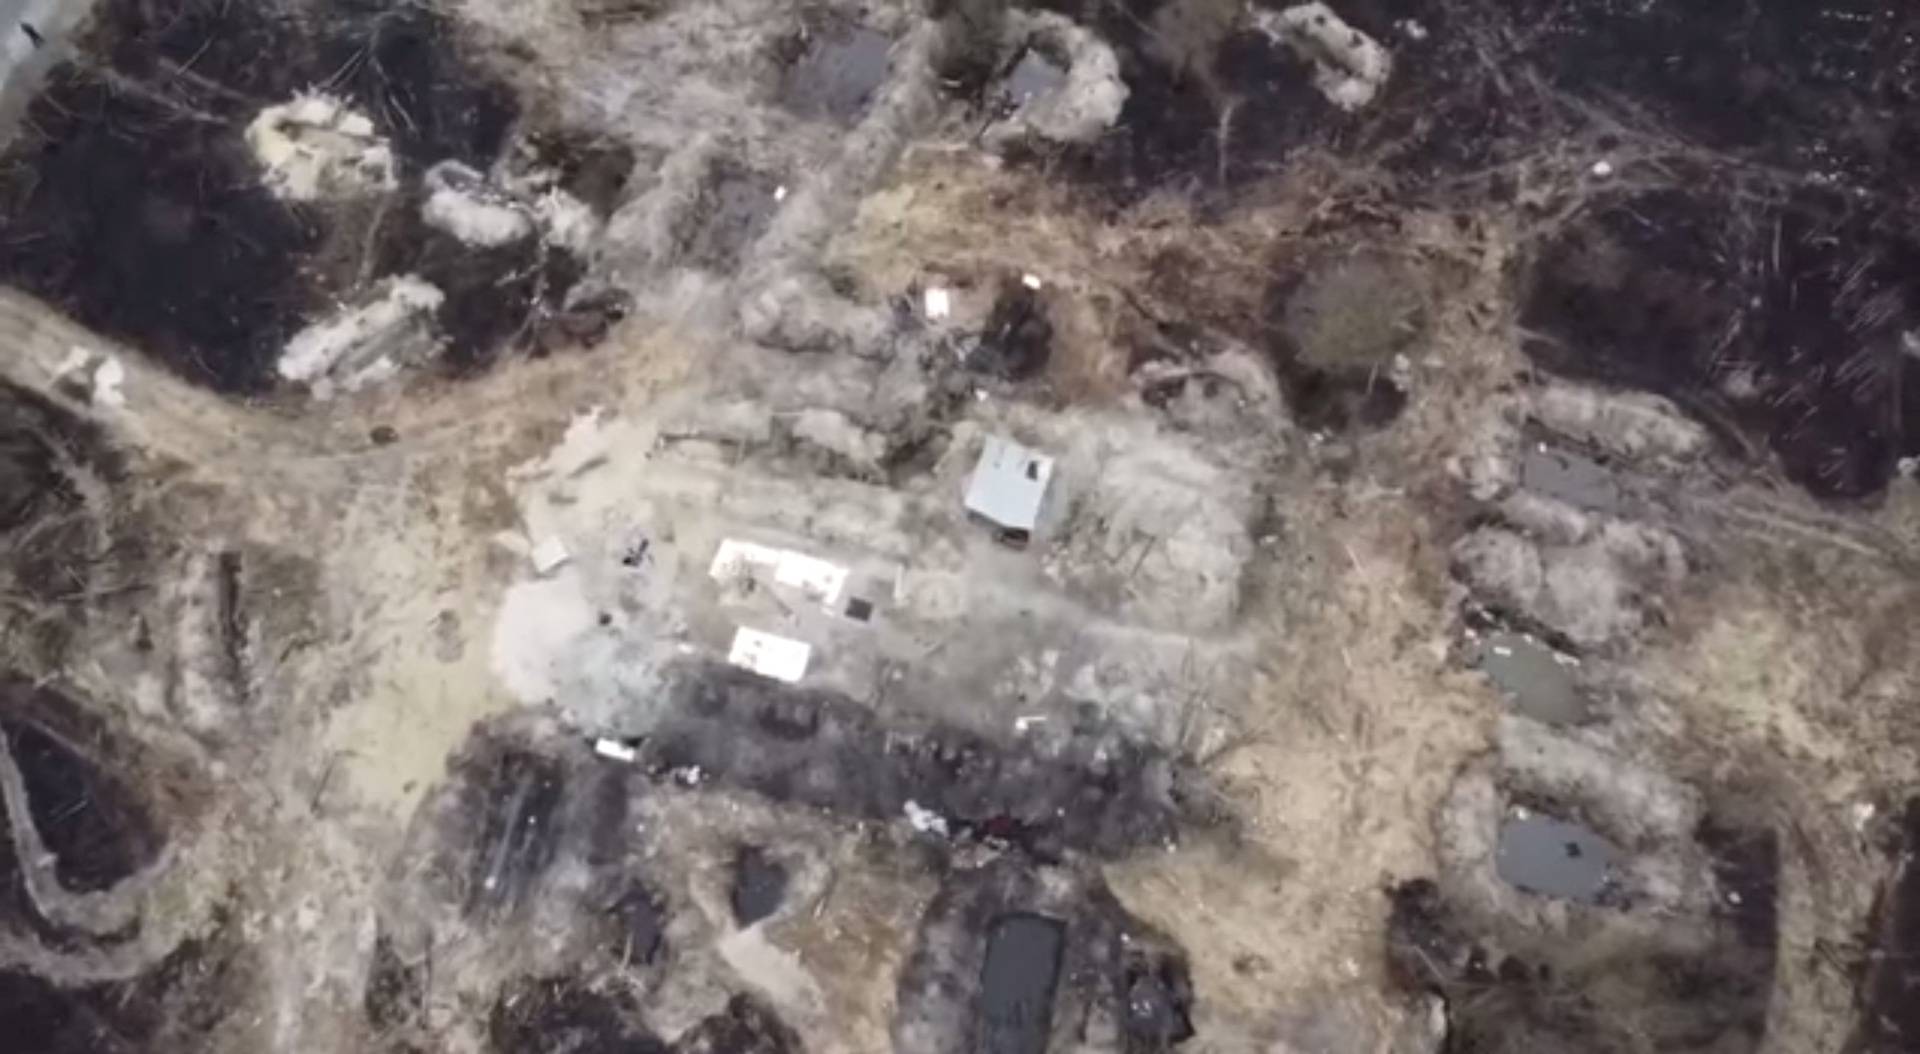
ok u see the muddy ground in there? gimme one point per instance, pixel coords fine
(1469, 611)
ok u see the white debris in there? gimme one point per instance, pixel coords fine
(615, 750)
(810, 575)
(939, 303)
(1349, 67)
(460, 202)
(925, 820)
(566, 222)
(1602, 168)
(770, 655)
(1411, 29)
(818, 579)
(1908, 467)
(549, 555)
(104, 375)
(1021, 724)
(315, 147)
(1031, 281)
(780, 192)
(107, 378)
(78, 358)
(349, 347)
(688, 775)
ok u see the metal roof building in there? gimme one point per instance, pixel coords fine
(1009, 484)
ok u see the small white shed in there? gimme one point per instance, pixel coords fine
(1009, 484)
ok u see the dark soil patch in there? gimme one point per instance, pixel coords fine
(1889, 1013)
(968, 56)
(29, 480)
(759, 885)
(745, 1027)
(582, 319)
(833, 68)
(51, 536)
(1017, 980)
(1336, 400)
(513, 796)
(1212, 104)
(638, 929)
(132, 203)
(1427, 947)
(1330, 401)
(87, 814)
(1100, 792)
(230, 611)
(496, 297)
(1333, 332)
(1009, 963)
(1157, 991)
(1827, 87)
(561, 1015)
(1447, 121)
(173, 1007)
(1824, 89)
(1018, 339)
(396, 991)
(20, 916)
(734, 208)
(47, 1020)
(1780, 321)
(606, 807)
(1829, 90)
(401, 63)
(1746, 866)
(593, 169)
(89, 820)
(1495, 619)
(1271, 107)
(1509, 988)
(152, 228)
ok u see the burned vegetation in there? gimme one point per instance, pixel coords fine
(66, 537)
(1041, 947)
(178, 1005)
(88, 812)
(1785, 319)
(1096, 793)
(78, 819)
(1059, 441)
(137, 198)
(1777, 306)
(1514, 991)
(1009, 962)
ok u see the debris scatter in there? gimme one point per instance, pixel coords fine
(723, 526)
